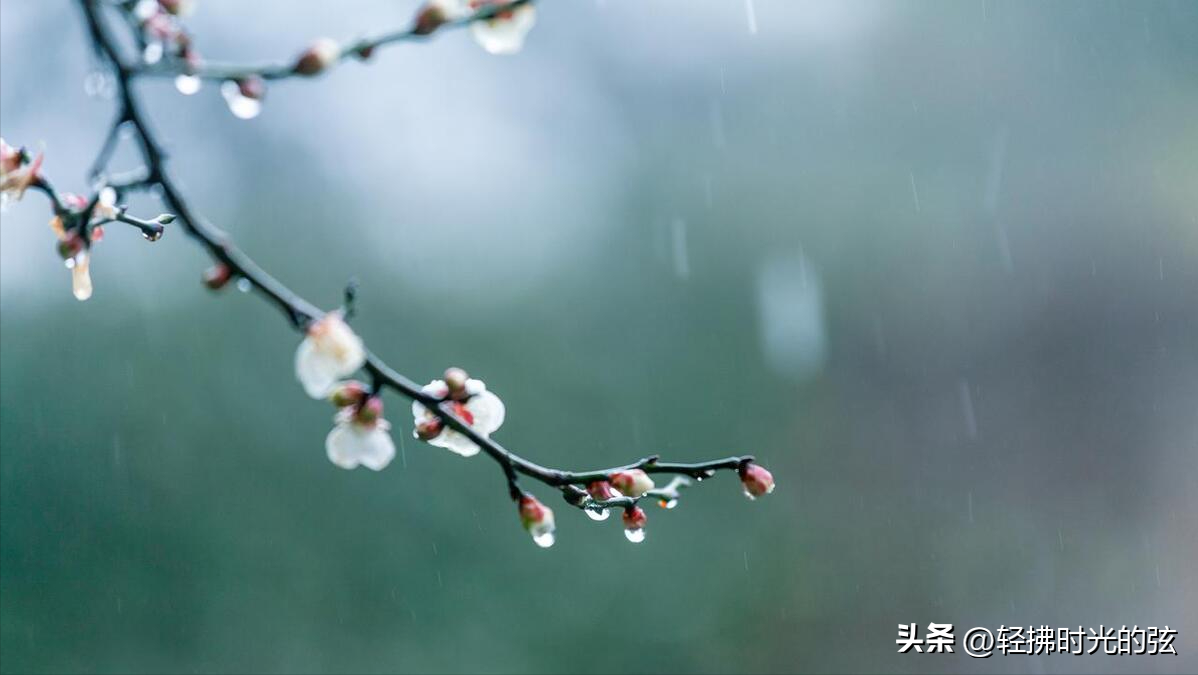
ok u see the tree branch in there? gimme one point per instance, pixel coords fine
(301, 313)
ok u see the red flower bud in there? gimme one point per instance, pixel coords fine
(430, 18)
(756, 480)
(634, 524)
(537, 519)
(632, 483)
(70, 245)
(600, 490)
(251, 86)
(217, 276)
(370, 412)
(348, 393)
(322, 54)
(430, 428)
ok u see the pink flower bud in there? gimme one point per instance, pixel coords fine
(252, 87)
(217, 276)
(430, 18)
(322, 54)
(756, 480)
(370, 412)
(600, 490)
(634, 524)
(429, 428)
(632, 483)
(538, 520)
(348, 394)
(455, 380)
(70, 245)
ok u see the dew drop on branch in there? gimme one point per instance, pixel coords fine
(242, 106)
(244, 285)
(597, 516)
(544, 540)
(668, 503)
(636, 536)
(188, 84)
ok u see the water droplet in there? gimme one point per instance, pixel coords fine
(188, 84)
(152, 236)
(544, 539)
(244, 285)
(750, 496)
(636, 536)
(152, 53)
(668, 503)
(597, 516)
(70, 263)
(99, 83)
(242, 107)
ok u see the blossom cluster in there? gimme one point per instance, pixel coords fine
(331, 352)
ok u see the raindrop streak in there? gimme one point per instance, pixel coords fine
(971, 423)
(544, 540)
(244, 285)
(636, 536)
(597, 516)
(188, 84)
(971, 508)
(751, 16)
(716, 112)
(682, 267)
(914, 191)
(242, 107)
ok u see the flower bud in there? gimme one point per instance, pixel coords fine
(318, 57)
(177, 7)
(348, 393)
(634, 524)
(251, 86)
(600, 490)
(455, 380)
(430, 18)
(538, 520)
(429, 428)
(217, 276)
(370, 412)
(70, 245)
(756, 480)
(632, 483)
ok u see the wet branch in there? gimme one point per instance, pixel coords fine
(298, 311)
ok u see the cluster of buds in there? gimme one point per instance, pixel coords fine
(537, 519)
(501, 29)
(469, 401)
(360, 436)
(76, 235)
(163, 33)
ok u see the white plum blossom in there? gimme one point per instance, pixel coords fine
(505, 32)
(360, 438)
(502, 33)
(481, 409)
(330, 352)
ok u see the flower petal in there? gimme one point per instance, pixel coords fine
(350, 445)
(315, 370)
(505, 33)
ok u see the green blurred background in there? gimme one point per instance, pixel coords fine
(934, 263)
